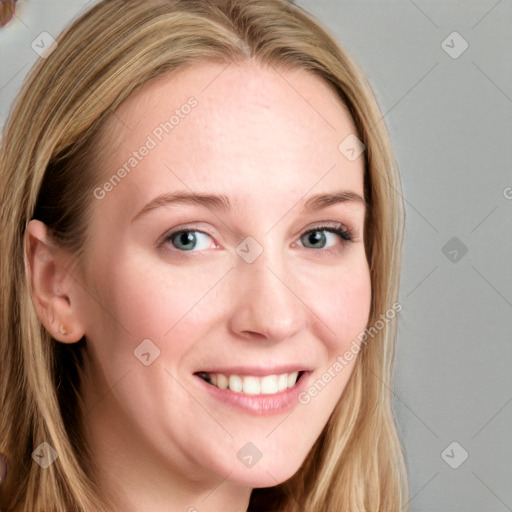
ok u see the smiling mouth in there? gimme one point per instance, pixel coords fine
(251, 385)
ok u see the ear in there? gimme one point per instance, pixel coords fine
(51, 284)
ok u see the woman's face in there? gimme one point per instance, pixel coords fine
(247, 293)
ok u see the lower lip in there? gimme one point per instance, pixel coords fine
(261, 405)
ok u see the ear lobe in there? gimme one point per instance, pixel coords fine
(50, 284)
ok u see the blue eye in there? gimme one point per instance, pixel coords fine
(187, 239)
(318, 236)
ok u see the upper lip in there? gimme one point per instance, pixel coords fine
(256, 371)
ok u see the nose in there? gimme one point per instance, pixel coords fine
(266, 303)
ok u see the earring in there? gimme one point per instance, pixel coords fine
(62, 330)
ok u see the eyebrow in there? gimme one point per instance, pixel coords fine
(221, 202)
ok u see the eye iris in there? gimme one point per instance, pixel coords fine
(316, 236)
(185, 237)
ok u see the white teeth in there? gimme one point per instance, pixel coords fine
(282, 382)
(292, 379)
(268, 385)
(222, 381)
(235, 383)
(251, 385)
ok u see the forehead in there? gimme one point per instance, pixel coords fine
(237, 129)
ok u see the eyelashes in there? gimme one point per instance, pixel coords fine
(191, 243)
(343, 234)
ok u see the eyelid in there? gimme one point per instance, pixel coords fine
(344, 234)
(331, 225)
(180, 229)
(320, 226)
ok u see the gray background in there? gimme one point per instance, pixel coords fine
(450, 121)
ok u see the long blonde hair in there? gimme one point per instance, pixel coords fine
(47, 172)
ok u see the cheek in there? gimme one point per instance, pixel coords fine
(138, 299)
(153, 300)
(343, 303)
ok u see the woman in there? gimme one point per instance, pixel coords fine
(173, 336)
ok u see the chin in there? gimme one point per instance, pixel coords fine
(262, 474)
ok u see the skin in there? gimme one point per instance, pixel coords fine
(267, 140)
